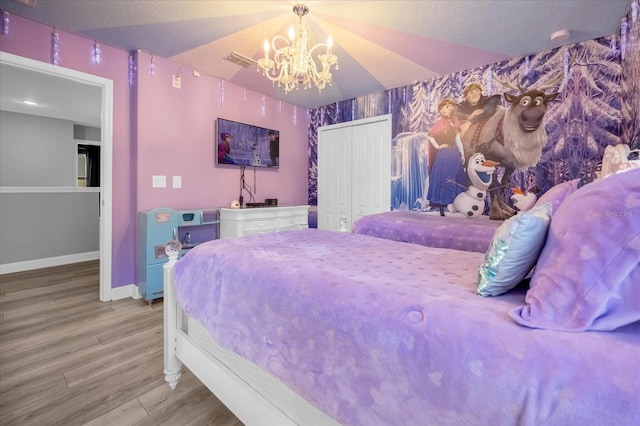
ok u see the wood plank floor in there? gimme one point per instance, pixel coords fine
(68, 359)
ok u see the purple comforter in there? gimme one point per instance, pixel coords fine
(454, 232)
(377, 332)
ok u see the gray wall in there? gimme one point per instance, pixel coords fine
(86, 133)
(35, 224)
(36, 151)
(43, 225)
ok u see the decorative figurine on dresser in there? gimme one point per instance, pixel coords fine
(155, 228)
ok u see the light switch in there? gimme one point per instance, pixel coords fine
(177, 181)
(159, 181)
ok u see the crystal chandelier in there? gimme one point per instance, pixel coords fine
(293, 64)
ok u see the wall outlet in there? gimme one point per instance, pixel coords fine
(177, 81)
(159, 181)
(177, 181)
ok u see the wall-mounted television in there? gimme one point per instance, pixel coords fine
(246, 145)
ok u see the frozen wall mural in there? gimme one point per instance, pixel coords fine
(629, 45)
(596, 105)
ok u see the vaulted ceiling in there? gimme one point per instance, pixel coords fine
(380, 44)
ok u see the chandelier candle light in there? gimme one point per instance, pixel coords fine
(293, 64)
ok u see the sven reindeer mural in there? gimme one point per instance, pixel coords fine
(512, 136)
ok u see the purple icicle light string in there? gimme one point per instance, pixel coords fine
(55, 47)
(5, 22)
(132, 72)
(96, 56)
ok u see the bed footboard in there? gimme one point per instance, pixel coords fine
(237, 392)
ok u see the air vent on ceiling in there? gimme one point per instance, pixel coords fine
(240, 59)
(30, 3)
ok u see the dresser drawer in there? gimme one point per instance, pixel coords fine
(260, 225)
(293, 222)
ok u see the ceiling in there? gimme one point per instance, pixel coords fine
(379, 44)
(57, 97)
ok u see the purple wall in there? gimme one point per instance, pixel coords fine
(32, 40)
(176, 136)
(159, 130)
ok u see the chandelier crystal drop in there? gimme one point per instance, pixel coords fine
(293, 64)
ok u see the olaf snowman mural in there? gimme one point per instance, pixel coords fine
(480, 172)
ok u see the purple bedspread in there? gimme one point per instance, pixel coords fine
(377, 332)
(454, 232)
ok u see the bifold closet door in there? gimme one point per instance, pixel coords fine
(371, 171)
(334, 178)
(354, 171)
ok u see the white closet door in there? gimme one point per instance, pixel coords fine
(334, 178)
(371, 174)
(354, 171)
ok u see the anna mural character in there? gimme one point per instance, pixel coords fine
(446, 158)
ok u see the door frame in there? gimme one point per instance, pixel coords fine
(106, 154)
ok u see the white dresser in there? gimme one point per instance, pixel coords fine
(261, 220)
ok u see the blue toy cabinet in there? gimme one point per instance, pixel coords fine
(157, 227)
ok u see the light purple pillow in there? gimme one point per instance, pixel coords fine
(557, 194)
(588, 274)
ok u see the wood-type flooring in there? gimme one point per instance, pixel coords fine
(68, 359)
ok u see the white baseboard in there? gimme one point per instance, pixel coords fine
(122, 292)
(28, 265)
(125, 291)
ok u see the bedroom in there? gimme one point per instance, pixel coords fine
(167, 152)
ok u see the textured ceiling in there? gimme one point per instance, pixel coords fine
(57, 97)
(380, 44)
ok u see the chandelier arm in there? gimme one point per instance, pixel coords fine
(314, 70)
(275, 78)
(316, 47)
(316, 75)
(279, 37)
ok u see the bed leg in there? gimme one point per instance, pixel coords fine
(172, 365)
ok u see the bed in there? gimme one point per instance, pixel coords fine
(316, 327)
(453, 231)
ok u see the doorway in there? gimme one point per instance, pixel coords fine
(105, 207)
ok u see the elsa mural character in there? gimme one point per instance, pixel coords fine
(446, 175)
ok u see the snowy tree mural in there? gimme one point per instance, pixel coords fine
(597, 106)
(630, 84)
(419, 104)
(588, 117)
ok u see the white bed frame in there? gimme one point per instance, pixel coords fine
(253, 395)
